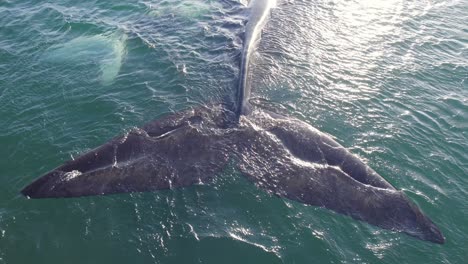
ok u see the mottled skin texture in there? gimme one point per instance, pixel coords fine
(310, 167)
(282, 155)
(176, 151)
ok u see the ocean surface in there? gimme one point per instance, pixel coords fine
(388, 79)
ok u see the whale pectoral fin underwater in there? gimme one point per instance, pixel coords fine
(176, 151)
(310, 167)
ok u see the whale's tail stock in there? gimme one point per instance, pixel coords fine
(284, 156)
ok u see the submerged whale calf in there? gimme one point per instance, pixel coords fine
(283, 155)
(108, 51)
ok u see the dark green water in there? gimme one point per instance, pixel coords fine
(388, 79)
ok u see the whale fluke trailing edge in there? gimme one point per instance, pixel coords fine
(282, 155)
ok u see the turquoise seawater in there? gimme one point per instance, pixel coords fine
(388, 79)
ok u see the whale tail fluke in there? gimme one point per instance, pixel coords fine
(308, 166)
(333, 189)
(169, 153)
(284, 156)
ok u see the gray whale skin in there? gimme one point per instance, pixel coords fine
(282, 155)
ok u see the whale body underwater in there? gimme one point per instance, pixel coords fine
(282, 155)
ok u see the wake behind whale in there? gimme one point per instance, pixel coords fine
(282, 155)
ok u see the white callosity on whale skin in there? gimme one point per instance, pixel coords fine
(71, 175)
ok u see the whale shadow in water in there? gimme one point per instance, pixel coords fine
(282, 155)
